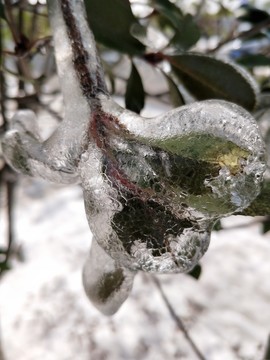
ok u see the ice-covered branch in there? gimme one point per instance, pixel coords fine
(78, 63)
(152, 187)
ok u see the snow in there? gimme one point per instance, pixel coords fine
(45, 313)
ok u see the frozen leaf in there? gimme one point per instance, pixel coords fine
(157, 186)
(260, 206)
(106, 285)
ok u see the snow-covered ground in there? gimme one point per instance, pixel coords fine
(46, 315)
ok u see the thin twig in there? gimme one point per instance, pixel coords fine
(1, 351)
(11, 21)
(243, 35)
(199, 9)
(2, 81)
(7, 179)
(47, 108)
(177, 319)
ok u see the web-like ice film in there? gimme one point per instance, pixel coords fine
(153, 188)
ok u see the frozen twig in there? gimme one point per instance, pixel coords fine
(177, 319)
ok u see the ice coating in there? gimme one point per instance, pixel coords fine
(151, 197)
(153, 188)
(105, 283)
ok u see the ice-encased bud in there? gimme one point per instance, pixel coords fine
(106, 284)
(153, 191)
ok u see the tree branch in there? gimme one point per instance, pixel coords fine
(243, 35)
(177, 319)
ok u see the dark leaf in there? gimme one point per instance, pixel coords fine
(3, 250)
(208, 78)
(140, 33)
(187, 33)
(266, 225)
(110, 283)
(254, 60)
(4, 267)
(168, 10)
(111, 21)
(253, 14)
(217, 226)
(134, 96)
(175, 95)
(261, 205)
(2, 11)
(196, 272)
(267, 350)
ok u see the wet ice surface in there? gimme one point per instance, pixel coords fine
(181, 171)
(45, 313)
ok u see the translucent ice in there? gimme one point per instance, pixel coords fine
(152, 187)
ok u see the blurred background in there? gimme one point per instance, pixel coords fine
(44, 235)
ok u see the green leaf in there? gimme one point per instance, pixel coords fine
(175, 95)
(187, 33)
(111, 21)
(2, 11)
(196, 272)
(139, 32)
(254, 60)
(217, 226)
(168, 10)
(208, 78)
(134, 96)
(266, 224)
(4, 267)
(261, 205)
